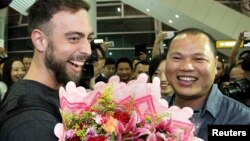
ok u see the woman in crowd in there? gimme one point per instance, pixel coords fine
(13, 70)
(157, 69)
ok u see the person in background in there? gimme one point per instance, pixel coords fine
(191, 68)
(140, 67)
(143, 56)
(124, 69)
(27, 61)
(234, 61)
(157, 69)
(141, 52)
(13, 70)
(2, 60)
(61, 34)
(3, 86)
(157, 43)
(135, 61)
(3, 90)
(235, 50)
(220, 72)
(99, 64)
(109, 67)
(235, 71)
(237, 75)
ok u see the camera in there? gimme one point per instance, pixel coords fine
(238, 89)
(88, 68)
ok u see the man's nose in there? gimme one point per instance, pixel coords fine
(187, 64)
(85, 48)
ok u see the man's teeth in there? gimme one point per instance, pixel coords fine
(187, 78)
(77, 63)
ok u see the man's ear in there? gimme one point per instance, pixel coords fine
(39, 40)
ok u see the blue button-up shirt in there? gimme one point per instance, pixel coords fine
(218, 110)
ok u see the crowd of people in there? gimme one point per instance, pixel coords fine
(190, 71)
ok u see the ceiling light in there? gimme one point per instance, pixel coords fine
(170, 21)
(176, 16)
(21, 5)
(148, 9)
(118, 9)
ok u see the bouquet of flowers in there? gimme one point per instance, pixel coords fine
(116, 111)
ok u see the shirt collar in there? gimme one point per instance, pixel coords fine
(211, 105)
(213, 102)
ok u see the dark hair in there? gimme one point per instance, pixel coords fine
(154, 64)
(28, 56)
(222, 63)
(109, 61)
(244, 54)
(2, 60)
(98, 47)
(141, 62)
(4, 3)
(41, 12)
(122, 60)
(6, 77)
(195, 31)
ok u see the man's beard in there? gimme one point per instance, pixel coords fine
(58, 67)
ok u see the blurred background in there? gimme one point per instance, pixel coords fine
(131, 22)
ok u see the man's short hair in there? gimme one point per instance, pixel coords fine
(109, 61)
(42, 11)
(195, 31)
(140, 62)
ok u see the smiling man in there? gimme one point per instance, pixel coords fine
(190, 68)
(61, 34)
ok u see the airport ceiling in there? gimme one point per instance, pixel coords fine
(22, 5)
(241, 6)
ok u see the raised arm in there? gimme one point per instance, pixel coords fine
(235, 50)
(157, 43)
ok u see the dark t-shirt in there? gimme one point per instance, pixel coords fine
(32, 125)
(101, 78)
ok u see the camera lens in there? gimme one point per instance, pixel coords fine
(232, 91)
(238, 89)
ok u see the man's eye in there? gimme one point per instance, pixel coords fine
(156, 73)
(90, 39)
(73, 39)
(200, 59)
(176, 58)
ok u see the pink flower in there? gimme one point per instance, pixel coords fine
(120, 111)
(129, 126)
(146, 97)
(98, 119)
(76, 99)
(59, 131)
